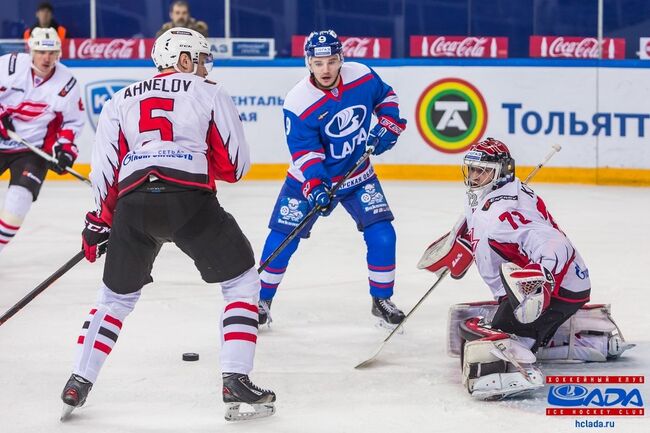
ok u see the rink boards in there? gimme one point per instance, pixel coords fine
(598, 113)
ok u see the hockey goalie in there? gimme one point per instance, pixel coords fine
(537, 277)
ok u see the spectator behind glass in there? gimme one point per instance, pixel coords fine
(179, 14)
(45, 19)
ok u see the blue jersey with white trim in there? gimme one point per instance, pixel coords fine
(327, 129)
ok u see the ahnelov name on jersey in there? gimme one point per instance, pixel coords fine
(165, 140)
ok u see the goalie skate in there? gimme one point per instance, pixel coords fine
(238, 390)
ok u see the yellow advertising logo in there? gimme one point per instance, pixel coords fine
(451, 115)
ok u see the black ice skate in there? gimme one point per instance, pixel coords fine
(74, 394)
(264, 311)
(238, 389)
(389, 315)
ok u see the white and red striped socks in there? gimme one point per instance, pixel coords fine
(239, 322)
(17, 203)
(7, 232)
(100, 331)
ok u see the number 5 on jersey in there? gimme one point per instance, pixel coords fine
(148, 122)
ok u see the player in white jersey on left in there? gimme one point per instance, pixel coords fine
(160, 145)
(537, 277)
(39, 100)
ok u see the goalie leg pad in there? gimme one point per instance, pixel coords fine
(458, 314)
(590, 335)
(487, 374)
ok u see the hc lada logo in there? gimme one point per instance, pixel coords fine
(347, 121)
(97, 93)
(451, 115)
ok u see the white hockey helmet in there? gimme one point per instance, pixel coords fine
(42, 39)
(169, 46)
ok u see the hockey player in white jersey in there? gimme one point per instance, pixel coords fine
(160, 146)
(536, 275)
(39, 100)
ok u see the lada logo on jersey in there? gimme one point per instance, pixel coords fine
(97, 93)
(451, 115)
(347, 121)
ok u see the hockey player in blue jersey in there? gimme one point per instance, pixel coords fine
(327, 119)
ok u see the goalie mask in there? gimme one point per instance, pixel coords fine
(486, 167)
(168, 48)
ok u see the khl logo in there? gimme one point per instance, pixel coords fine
(346, 121)
(576, 395)
(97, 93)
(451, 115)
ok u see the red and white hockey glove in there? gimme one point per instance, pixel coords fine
(65, 153)
(529, 289)
(94, 233)
(5, 123)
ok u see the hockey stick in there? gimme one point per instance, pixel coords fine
(556, 148)
(45, 284)
(314, 209)
(394, 331)
(47, 157)
(41, 287)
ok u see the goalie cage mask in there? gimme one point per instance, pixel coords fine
(487, 166)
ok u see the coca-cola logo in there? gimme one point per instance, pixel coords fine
(585, 48)
(114, 49)
(468, 47)
(356, 47)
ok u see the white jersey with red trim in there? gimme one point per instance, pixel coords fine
(180, 127)
(512, 224)
(42, 111)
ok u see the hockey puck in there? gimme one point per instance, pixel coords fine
(190, 356)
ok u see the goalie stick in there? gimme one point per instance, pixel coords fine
(47, 157)
(555, 148)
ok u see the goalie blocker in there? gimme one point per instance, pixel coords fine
(452, 251)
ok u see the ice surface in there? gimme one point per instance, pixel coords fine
(322, 323)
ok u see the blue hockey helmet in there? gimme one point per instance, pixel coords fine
(323, 44)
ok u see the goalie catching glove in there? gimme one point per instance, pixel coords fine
(529, 289)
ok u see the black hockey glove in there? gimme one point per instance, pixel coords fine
(65, 153)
